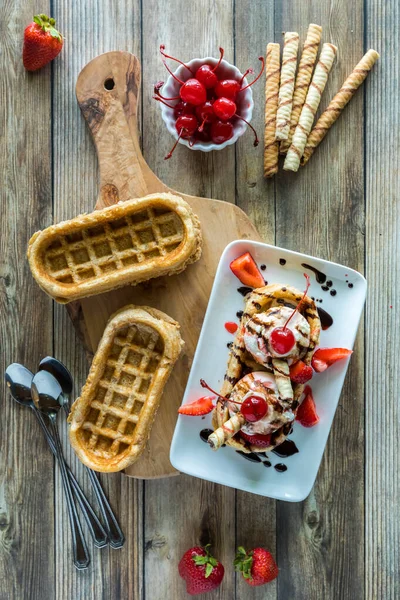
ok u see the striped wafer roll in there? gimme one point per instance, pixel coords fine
(303, 78)
(338, 103)
(226, 431)
(271, 146)
(317, 86)
(289, 62)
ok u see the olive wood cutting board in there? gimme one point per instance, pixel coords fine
(107, 91)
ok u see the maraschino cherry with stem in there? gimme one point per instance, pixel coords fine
(192, 90)
(253, 408)
(282, 339)
(230, 88)
(186, 125)
(206, 75)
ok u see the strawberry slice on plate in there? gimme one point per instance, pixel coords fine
(259, 440)
(307, 412)
(325, 357)
(300, 372)
(246, 270)
(199, 407)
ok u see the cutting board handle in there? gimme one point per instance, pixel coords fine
(107, 91)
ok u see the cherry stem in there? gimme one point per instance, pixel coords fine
(248, 72)
(261, 58)
(221, 50)
(175, 145)
(158, 93)
(256, 141)
(159, 99)
(205, 385)
(172, 74)
(202, 125)
(301, 301)
(162, 48)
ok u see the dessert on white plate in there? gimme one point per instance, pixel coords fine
(262, 398)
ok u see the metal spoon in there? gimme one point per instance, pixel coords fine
(46, 392)
(19, 380)
(64, 378)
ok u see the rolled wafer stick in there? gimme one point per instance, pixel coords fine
(337, 104)
(226, 431)
(310, 107)
(288, 71)
(271, 146)
(282, 378)
(303, 78)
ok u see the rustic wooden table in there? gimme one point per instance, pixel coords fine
(343, 541)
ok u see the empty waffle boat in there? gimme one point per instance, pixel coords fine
(112, 419)
(126, 243)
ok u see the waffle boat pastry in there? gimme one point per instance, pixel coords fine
(126, 243)
(111, 421)
(255, 368)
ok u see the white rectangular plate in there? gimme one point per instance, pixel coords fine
(189, 454)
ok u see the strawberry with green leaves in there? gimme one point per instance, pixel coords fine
(42, 43)
(201, 571)
(257, 566)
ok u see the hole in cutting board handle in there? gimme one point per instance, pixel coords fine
(109, 84)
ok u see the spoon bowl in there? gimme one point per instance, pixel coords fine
(19, 380)
(59, 371)
(46, 393)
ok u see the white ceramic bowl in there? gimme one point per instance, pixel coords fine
(244, 101)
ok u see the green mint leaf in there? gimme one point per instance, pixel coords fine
(209, 570)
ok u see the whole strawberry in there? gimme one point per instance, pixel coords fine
(201, 571)
(42, 43)
(257, 566)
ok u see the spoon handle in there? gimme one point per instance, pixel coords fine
(79, 547)
(97, 531)
(115, 535)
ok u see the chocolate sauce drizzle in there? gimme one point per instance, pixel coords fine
(244, 290)
(319, 276)
(286, 449)
(281, 468)
(325, 317)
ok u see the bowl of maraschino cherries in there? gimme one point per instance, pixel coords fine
(206, 103)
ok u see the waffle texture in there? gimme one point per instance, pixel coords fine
(240, 361)
(112, 419)
(126, 243)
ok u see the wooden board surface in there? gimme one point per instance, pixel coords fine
(112, 118)
(343, 206)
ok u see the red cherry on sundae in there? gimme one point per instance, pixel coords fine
(282, 339)
(254, 408)
(224, 108)
(206, 75)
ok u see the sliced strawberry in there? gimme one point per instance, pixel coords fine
(247, 271)
(307, 412)
(202, 406)
(300, 372)
(325, 357)
(259, 440)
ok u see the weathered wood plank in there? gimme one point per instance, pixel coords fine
(26, 466)
(254, 28)
(320, 211)
(90, 29)
(382, 416)
(183, 511)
